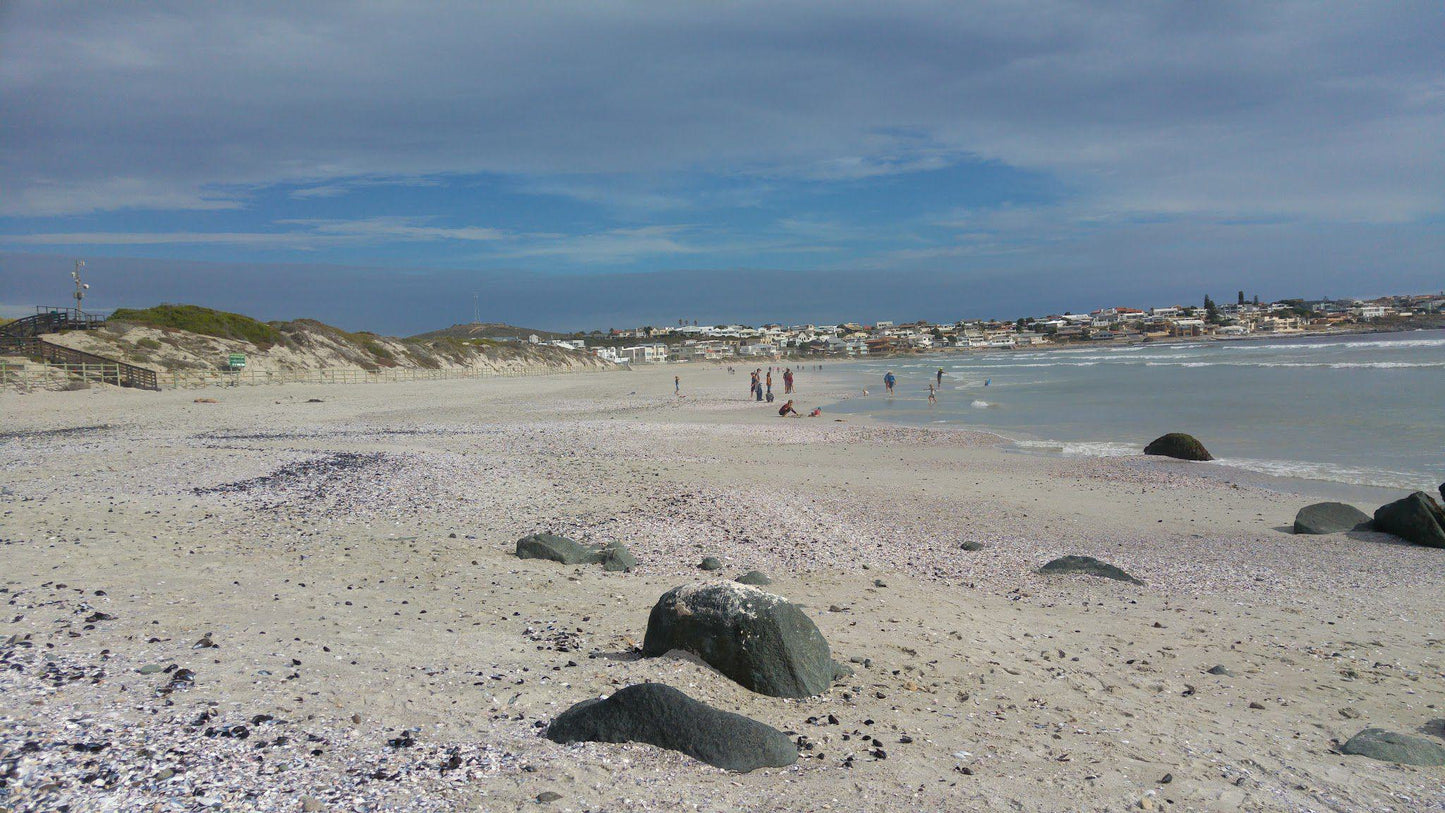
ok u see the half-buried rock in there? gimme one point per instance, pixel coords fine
(1387, 746)
(614, 556)
(1087, 565)
(756, 638)
(1178, 445)
(1329, 518)
(756, 578)
(1417, 518)
(665, 717)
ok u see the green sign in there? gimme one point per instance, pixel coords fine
(238, 360)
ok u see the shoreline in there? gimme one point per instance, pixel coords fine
(351, 560)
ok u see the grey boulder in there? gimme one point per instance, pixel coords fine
(1417, 518)
(556, 549)
(1387, 746)
(1329, 518)
(760, 640)
(665, 717)
(1178, 445)
(616, 557)
(756, 578)
(1087, 565)
(710, 563)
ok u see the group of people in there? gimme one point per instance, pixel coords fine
(762, 384)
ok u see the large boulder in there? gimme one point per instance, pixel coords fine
(556, 549)
(665, 717)
(1387, 746)
(1329, 518)
(1417, 518)
(1178, 445)
(1087, 565)
(760, 640)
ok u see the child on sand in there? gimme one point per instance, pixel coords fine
(787, 409)
(932, 394)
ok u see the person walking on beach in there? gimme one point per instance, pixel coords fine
(788, 381)
(677, 385)
(770, 379)
(758, 383)
(753, 385)
(932, 394)
(888, 382)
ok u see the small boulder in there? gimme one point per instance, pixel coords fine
(1087, 565)
(557, 549)
(616, 557)
(1417, 518)
(760, 640)
(756, 578)
(665, 717)
(1221, 670)
(1387, 746)
(710, 563)
(1178, 445)
(1329, 518)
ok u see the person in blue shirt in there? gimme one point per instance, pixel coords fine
(888, 381)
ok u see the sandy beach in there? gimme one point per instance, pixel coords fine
(305, 598)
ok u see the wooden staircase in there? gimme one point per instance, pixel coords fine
(22, 337)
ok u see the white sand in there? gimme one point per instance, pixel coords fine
(1019, 692)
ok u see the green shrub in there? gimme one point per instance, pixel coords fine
(148, 343)
(205, 321)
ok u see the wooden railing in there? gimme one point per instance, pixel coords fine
(57, 373)
(124, 375)
(178, 379)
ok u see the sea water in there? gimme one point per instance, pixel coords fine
(1359, 409)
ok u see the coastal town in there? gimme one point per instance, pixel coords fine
(1243, 317)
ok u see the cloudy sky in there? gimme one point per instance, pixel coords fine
(603, 164)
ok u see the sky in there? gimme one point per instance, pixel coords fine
(399, 166)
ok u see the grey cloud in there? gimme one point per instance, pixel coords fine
(1324, 110)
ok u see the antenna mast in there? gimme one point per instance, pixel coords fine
(80, 286)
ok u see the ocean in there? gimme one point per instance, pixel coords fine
(1362, 410)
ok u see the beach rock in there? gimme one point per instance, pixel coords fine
(1442, 491)
(1387, 746)
(1417, 518)
(1178, 445)
(616, 557)
(1087, 565)
(556, 549)
(1328, 518)
(710, 563)
(760, 640)
(1221, 669)
(547, 796)
(756, 578)
(665, 717)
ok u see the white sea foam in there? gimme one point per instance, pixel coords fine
(1304, 470)
(1082, 448)
(980, 404)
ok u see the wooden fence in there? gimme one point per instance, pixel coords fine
(11, 373)
(343, 375)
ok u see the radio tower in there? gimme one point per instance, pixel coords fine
(80, 286)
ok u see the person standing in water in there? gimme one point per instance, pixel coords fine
(932, 394)
(888, 381)
(940, 378)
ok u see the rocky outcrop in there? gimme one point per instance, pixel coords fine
(1387, 746)
(1329, 518)
(665, 717)
(1178, 445)
(1417, 518)
(760, 640)
(1087, 565)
